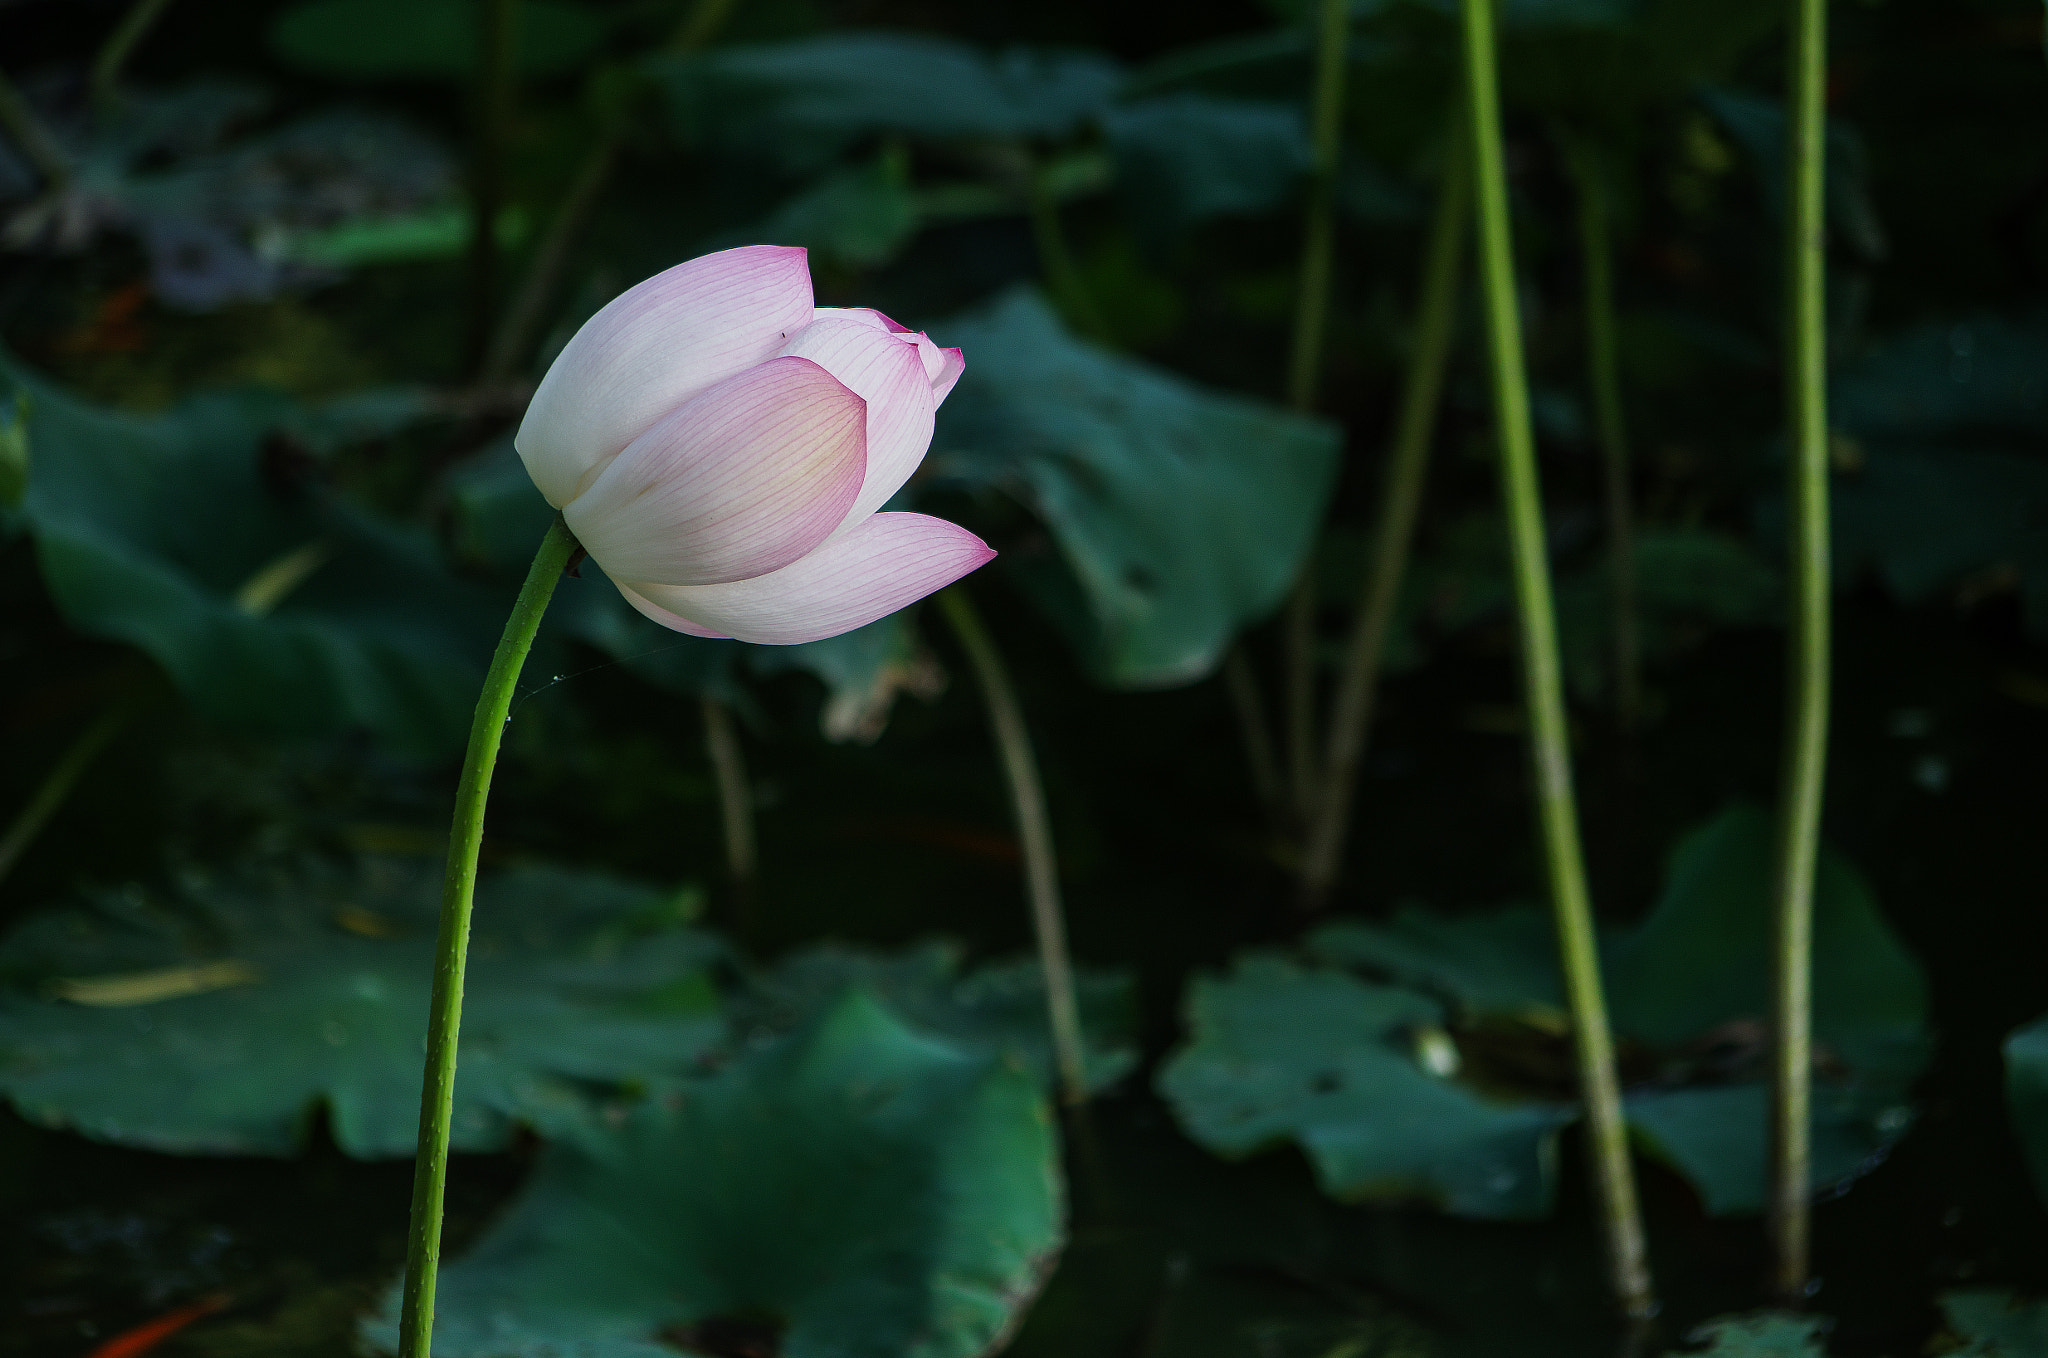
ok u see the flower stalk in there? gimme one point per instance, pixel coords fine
(1807, 680)
(1603, 374)
(735, 801)
(451, 945)
(119, 46)
(1034, 833)
(1304, 374)
(1394, 534)
(1543, 689)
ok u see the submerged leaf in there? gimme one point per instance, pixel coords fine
(856, 1190)
(1768, 1334)
(1995, 1324)
(231, 1055)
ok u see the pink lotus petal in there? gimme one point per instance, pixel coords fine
(951, 364)
(742, 480)
(889, 561)
(675, 622)
(865, 315)
(653, 347)
(884, 370)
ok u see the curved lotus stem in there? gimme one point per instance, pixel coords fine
(451, 944)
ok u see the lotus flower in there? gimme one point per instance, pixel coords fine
(720, 446)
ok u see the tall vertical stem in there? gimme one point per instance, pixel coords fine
(1056, 258)
(1543, 690)
(735, 799)
(1603, 372)
(451, 944)
(1304, 373)
(120, 45)
(1394, 534)
(497, 47)
(1034, 833)
(1806, 706)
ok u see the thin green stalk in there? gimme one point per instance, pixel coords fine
(522, 318)
(1304, 374)
(1806, 706)
(119, 46)
(26, 131)
(497, 47)
(1603, 371)
(1250, 709)
(1543, 690)
(451, 945)
(1062, 274)
(1034, 833)
(51, 794)
(1394, 535)
(735, 797)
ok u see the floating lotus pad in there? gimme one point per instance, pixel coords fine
(1429, 1058)
(854, 1190)
(220, 1030)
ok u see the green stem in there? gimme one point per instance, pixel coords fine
(497, 46)
(1603, 368)
(50, 796)
(1394, 535)
(1543, 690)
(1034, 833)
(21, 125)
(735, 799)
(517, 331)
(1250, 709)
(120, 45)
(1304, 373)
(1062, 275)
(1806, 714)
(451, 945)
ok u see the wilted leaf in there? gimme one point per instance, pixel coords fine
(1182, 514)
(854, 1191)
(576, 983)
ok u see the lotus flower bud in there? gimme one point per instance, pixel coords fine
(720, 446)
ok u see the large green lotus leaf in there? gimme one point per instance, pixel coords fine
(1767, 1334)
(1280, 1052)
(429, 39)
(1497, 962)
(1686, 989)
(1184, 158)
(275, 607)
(1946, 423)
(1714, 1135)
(997, 1008)
(1702, 957)
(1183, 514)
(318, 996)
(859, 1189)
(1995, 1324)
(802, 101)
(2026, 1094)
